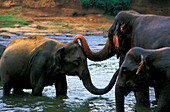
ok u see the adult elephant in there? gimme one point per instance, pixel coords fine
(143, 67)
(131, 29)
(2, 48)
(37, 61)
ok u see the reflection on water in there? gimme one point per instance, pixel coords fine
(78, 98)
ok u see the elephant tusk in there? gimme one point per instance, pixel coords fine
(139, 68)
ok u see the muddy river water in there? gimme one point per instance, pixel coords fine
(78, 99)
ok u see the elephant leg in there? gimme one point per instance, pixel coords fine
(38, 88)
(61, 85)
(142, 99)
(6, 88)
(157, 91)
(38, 73)
(6, 83)
(164, 99)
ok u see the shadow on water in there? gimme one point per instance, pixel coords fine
(27, 102)
(78, 98)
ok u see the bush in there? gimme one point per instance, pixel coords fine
(111, 7)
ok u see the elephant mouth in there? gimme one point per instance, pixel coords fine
(73, 74)
(128, 90)
(135, 88)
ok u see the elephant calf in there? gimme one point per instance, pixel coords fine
(141, 68)
(36, 61)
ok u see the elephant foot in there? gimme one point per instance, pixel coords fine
(142, 109)
(61, 93)
(37, 91)
(6, 91)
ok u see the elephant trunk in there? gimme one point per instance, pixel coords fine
(91, 88)
(105, 53)
(119, 95)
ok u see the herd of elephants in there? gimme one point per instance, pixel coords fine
(140, 41)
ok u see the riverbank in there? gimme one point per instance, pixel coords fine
(87, 25)
(65, 18)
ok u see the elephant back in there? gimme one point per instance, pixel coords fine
(19, 51)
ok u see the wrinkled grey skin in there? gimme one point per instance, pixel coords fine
(140, 30)
(133, 30)
(35, 62)
(155, 72)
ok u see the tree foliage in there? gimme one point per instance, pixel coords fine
(111, 7)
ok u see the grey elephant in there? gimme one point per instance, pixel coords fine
(35, 62)
(142, 68)
(2, 48)
(132, 29)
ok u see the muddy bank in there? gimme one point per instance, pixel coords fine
(27, 31)
(88, 25)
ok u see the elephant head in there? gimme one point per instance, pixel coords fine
(122, 31)
(118, 36)
(133, 74)
(70, 60)
(118, 40)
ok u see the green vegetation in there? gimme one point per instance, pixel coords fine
(111, 7)
(80, 25)
(67, 26)
(13, 22)
(57, 23)
(61, 26)
(87, 26)
(57, 28)
(53, 25)
(15, 11)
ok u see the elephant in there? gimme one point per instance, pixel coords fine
(132, 29)
(2, 48)
(142, 67)
(36, 61)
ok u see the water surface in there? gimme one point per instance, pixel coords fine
(78, 99)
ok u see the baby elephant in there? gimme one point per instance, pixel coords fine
(35, 62)
(143, 67)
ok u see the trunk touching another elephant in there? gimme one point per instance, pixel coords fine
(104, 54)
(91, 88)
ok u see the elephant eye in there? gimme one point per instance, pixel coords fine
(76, 62)
(124, 70)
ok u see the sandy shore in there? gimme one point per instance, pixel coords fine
(26, 31)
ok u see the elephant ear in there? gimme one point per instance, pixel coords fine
(119, 29)
(141, 65)
(58, 58)
(116, 41)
